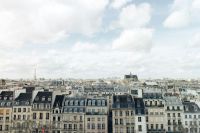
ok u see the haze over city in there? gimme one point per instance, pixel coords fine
(99, 39)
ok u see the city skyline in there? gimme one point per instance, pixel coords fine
(108, 39)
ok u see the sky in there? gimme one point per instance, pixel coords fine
(99, 38)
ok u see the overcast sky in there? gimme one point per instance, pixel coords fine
(100, 38)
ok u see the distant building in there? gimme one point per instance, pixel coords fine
(131, 77)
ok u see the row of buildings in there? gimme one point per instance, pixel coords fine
(46, 111)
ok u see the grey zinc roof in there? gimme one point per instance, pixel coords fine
(191, 107)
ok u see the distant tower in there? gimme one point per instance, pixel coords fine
(35, 74)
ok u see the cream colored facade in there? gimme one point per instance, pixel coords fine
(155, 116)
(21, 119)
(123, 120)
(5, 119)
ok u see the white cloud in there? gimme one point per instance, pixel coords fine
(195, 40)
(119, 3)
(177, 19)
(45, 21)
(136, 40)
(133, 16)
(183, 13)
(85, 47)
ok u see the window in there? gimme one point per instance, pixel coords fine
(139, 119)
(7, 127)
(179, 115)
(151, 126)
(93, 126)
(70, 126)
(156, 103)
(103, 126)
(7, 118)
(167, 107)
(174, 115)
(81, 126)
(186, 116)
(186, 123)
(121, 121)
(161, 126)
(127, 113)
(168, 114)
(88, 119)
(121, 113)
(98, 126)
(24, 109)
(75, 126)
(88, 126)
(41, 116)
(19, 109)
(116, 121)
(178, 108)
(15, 109)
(147, 118)
(65, 126)
(34, 115)
(156, 126)
(47, 116)
(139, 127)
(0, 127)
(24, 117)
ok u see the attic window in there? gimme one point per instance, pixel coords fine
(89, 102)
(37, 98)
(76, 102)
(71, 102)
(49, 99)
(81, 103)
(43, 98)
(103, 102)
(93, 102)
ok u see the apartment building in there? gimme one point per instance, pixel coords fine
(57, 114)
(21, 113)
(41, 112)
(73, 115)
(6, 102)
(174, 114)
(96, 117)
(155, 112)
(123, 114)
(191, 117)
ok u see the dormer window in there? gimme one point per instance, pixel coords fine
(103, 102)
(17, 103)
(8, 103)
(99, 102)
(37, 98)
(89, 102)
(71, 102)
(93, 102)
(43, 98)
(49, 99)
(82, 102)
(76, 102)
